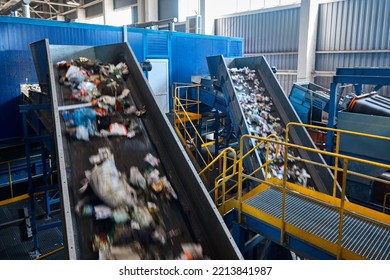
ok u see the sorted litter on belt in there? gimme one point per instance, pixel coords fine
(263, 120)
(134, 215)
(129, 207)
(108, 183)
(104, 86)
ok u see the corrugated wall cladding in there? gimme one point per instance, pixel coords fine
(353, 34)
(273, 31)
(286, 82)
(354, 25)
(283, 61)
(186, 52)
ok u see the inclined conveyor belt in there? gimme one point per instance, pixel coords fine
(192, 218)
(366, 238)
(220, 67)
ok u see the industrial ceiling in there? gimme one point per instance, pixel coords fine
(43, 9)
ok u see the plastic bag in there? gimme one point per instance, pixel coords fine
(109, 184)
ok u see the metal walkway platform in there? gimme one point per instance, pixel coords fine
(317, 222)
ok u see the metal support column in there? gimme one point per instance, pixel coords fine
(49, 186)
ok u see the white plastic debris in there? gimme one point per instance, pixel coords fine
(152, 160)
(136, 178)
(82, 133)
(102, 212)
(168, 187)
(109, 184)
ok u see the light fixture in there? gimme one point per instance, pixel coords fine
(73, 3)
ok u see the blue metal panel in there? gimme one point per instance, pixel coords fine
(379, 125)
(157, 44)
(189, 55)
(135, 39)
(189, 52)
(16, 62)
(235, 48)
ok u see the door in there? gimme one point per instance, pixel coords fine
(159, 81)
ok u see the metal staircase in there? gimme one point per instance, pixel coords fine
(317, 223)
(312, 224)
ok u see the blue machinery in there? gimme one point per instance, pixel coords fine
(352, 112)
(377, 77)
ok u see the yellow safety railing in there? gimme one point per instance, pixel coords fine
(224, 156)
(185, 123)
(220, 184)
(339, 204)
(338, 133)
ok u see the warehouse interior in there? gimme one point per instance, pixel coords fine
(204, 129)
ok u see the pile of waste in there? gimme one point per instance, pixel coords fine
(129, 209)
(263, 120)
(102, 87)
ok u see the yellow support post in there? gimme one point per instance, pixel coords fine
(342, 202)
(336, 164)
(283, 224)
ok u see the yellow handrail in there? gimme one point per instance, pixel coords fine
(338, 132)
(224, 155)
(367, 213)
(181, 110)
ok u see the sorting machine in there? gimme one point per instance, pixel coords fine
(193, 214)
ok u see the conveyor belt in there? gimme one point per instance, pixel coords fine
(219, 70)
(184, 219)
(366, 238)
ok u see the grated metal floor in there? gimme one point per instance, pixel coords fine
(366, 238)
(14, 243)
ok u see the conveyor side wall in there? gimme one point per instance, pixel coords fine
(205, 220)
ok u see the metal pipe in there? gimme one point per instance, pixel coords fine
(169, 21)
(125, 33)
(26, 8)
